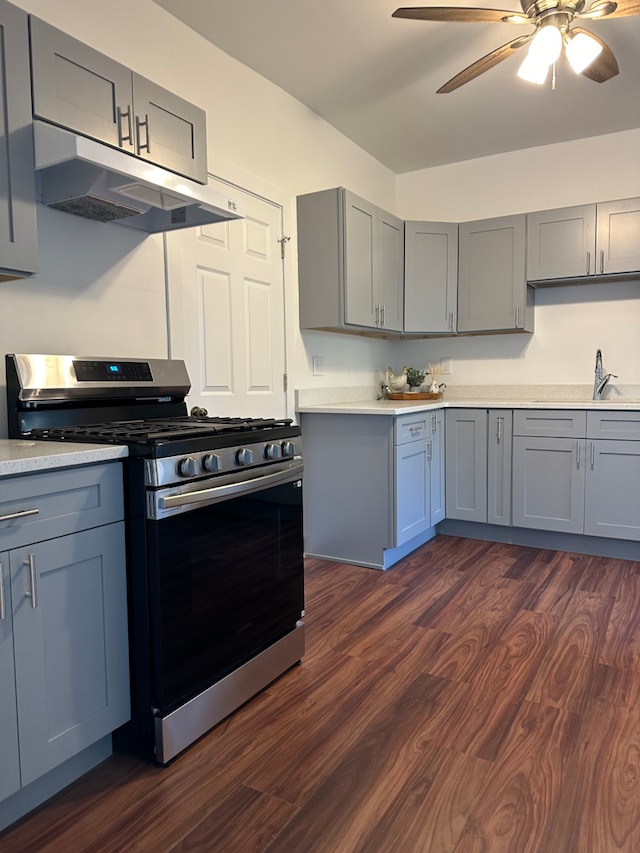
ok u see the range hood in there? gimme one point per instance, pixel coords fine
(93, 180)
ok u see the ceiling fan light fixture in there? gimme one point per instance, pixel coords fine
(581, 50)
(533, 70)
(546, 46)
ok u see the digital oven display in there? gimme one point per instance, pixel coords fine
(114, 371)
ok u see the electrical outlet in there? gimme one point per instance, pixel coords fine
(446, 365)
(317, 363)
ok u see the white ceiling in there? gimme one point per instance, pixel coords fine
(374, 77)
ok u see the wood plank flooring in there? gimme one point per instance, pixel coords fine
(475, 698)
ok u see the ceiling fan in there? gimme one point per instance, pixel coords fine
(554, 33)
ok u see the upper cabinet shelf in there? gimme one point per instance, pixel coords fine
(83, 90)
(584, 242)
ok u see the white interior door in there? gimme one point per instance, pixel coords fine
(226, 310)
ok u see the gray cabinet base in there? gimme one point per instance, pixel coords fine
(388, 556)
(578, 543)
(33, 795)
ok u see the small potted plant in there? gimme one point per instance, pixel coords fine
(415, 378)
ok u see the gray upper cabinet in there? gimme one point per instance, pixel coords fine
(83, 90)
(350, 264)
(492, 291)
(589, 240)
(18, 221)
(431, 277)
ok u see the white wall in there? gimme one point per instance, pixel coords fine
(570, 322)
(101, 288)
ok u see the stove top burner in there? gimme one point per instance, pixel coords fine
(162, 429)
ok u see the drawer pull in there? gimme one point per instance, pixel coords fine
(577, 454)
(33, 580)
(22, 514)
(2, 598)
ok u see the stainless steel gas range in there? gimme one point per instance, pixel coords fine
(214, 535)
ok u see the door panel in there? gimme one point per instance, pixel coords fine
(226, 293)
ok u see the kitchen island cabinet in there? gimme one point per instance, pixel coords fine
(493, 295)
(18, 224)
(350, 264)
(63, 635)
(78, 88)
(585, 241)
(368, 495)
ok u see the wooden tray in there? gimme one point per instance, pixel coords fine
(415, 395)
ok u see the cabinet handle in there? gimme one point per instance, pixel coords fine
(577, 454)
(429, 451)
(434, 423)
(451, 323)
(120, 114)
(500, 425)
(601, 261)
(382, 317)
(33, 580)
(377, 315)
(517, 317)
(145, 124)
(2, 599)
(593, 456)
(21, 514)
(588, 262)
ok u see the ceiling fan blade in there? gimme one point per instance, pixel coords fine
(604, 66)
(460, 14)
(484, 64)
(624, 9)
(598, 10)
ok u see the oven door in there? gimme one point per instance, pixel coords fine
(226, 575)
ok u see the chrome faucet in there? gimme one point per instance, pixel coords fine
(601, 379)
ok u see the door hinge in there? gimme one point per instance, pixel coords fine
(283, 242)
(285, 382)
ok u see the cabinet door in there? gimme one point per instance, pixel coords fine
(561, 243)
(437, 471)
(499, 439)
(168, 130)
(431, 277)
(548, 483)
(619, 236)
(412, 490)
(70, 638)
(612, 500)
(9, 756)
(389, 290)
(18, 226)
(466, 467)
(360, 257)
(492, 289)
(79, 88)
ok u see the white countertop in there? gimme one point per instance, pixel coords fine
(360, 401)
(22, 456)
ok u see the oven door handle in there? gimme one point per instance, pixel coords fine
(214, 494)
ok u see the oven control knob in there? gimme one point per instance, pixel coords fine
(211, 463)
(288, 448)
(187, 467)
(271, 451)
(244, 456)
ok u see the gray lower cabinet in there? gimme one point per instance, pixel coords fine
(588, 240)
(18, 222)
(493, 294)
(64, 647)
(431, 277)
(350, 264)
(9, 744)
(368, 486)
(478, 465)
(83, 90)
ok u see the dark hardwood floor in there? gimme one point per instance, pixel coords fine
(475, 697)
